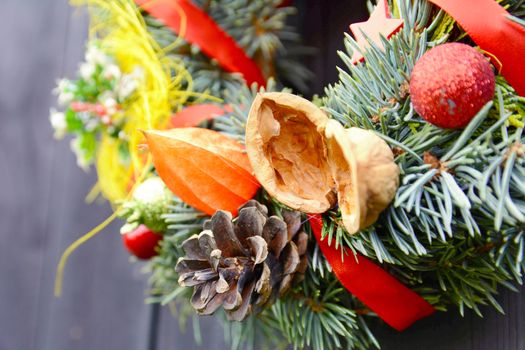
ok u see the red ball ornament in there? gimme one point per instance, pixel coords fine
(142, 242)
(450, 83)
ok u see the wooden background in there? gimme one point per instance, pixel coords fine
(42, 209)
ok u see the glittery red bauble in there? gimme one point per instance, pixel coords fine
(450, 83)
(142, 242)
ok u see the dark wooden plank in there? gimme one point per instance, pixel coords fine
(450, 331)
(26, 68)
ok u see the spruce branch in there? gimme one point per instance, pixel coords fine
(456, 224)
(233, 123)
(322, 315)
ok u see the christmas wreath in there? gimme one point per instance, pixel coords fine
(398, 193)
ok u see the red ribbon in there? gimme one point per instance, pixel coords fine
(196, 114)
(488, 24)
(196, 27)
(396, 304)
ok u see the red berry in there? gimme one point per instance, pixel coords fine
(142, 242)
(450, 83)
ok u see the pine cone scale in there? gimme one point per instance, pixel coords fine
(222, 227)
(192, 248)
(293, 222)
(187, 265)
(244, 309)
(276, 232)
(290, 258)
(249, 223)
(205, 300)
(233, 298)
(302, 243)
(259, 248)
(207, 243)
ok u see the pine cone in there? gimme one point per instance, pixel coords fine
(246, 264)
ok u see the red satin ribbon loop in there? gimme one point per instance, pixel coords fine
(396, 304)
(488, 24)
(196, 27)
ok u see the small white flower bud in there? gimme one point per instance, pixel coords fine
(87, 70)
(65, 98)
(58, 122)
(111, 71)
(151, 191)
(96, 56)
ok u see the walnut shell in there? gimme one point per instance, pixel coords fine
(309, 162)
(365, 174)
(286, 146)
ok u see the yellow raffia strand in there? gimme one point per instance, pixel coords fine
(63, 259)
(122, 34)
(93, 194)
(166, 86)
(86, 237)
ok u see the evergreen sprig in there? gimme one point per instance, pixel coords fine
(320, 314)
(181, 221)
(233, 123)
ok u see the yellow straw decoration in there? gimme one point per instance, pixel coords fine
(93, 194)
(63, 259)
(164, 88)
